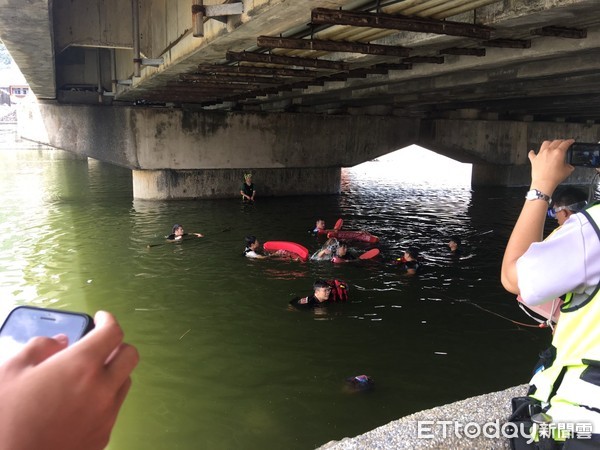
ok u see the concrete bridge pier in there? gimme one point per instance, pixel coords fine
(484, 174)
(498, 149)
(224, 183)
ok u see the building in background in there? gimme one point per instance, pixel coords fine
(13, 87)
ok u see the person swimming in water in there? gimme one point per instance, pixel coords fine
(319, 227)
(320, 296)
(178, 234)
(252, 245)
(454, 244)
(410, 261)
(342, 255)
(359, 383)
(327, 251)
(324, 292)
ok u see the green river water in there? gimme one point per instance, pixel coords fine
(225, 364)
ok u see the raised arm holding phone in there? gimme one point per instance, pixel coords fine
(56, 397)
(565, 388)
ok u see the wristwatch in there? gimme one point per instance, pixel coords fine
(534, 194)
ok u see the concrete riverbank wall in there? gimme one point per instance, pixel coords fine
(435, 428)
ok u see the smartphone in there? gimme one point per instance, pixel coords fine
(25, 322)
(584, 154)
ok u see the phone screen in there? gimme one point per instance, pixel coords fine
(583, 154)
(25, 322)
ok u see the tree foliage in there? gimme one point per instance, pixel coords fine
(5, 58)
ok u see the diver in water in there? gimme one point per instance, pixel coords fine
(319, 227)
(320, 295)
(327, 251)
(342, 255)
(410, 261)
(454, 244)
(324, 292)
(178, 234)
(359, 383)
(252, 245)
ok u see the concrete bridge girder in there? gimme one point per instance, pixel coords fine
(162, 138)
(182, 154)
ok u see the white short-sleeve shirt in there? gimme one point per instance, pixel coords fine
(252, 254)
(567, 261)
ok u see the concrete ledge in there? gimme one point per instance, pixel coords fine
(226, 183)
(403, 433)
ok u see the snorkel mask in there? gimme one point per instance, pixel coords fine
(575, 207)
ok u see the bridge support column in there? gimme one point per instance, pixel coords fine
(519, 175)
(500, 175)
(224, 183)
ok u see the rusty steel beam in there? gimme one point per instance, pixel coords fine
(332, 46)
(363, 72)
(393, 66)
(324, 16)
(342, 76)
(187, 98)
(462, 51)
(253, 70)
(177, 86)
(185, 87)
(217, 87)
(231, 78)
(424, 59)
(259, 93)
(286, 60)
(508, 43)
(564, 32)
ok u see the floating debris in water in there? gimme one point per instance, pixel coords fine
(185, 334)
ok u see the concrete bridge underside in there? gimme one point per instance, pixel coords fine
(289, 154)
(127, 82)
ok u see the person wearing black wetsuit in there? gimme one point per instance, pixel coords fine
(177, 234)
(410, 261)
(342, 255)
(320, 296)
(247, 190)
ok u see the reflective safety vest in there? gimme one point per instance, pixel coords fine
(569, 388)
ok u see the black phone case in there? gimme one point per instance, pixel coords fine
(89, 321)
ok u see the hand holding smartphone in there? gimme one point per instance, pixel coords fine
(58, 398)
(26, 322)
